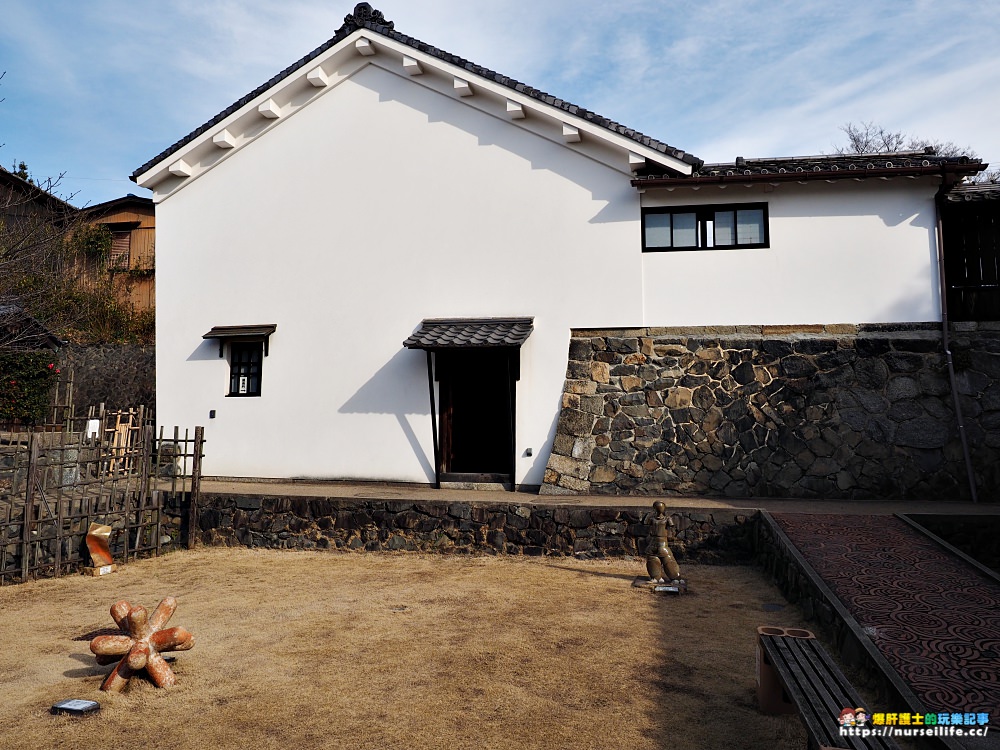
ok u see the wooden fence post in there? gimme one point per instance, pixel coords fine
(145, 494)
(199, 442)
(29, 503)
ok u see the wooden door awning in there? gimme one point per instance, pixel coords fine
(259, 332)
(438, 336)
(467, 333)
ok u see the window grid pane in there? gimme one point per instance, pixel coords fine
(245, 369)
(750, 226)
(685, 230)
(658, 230)
(725, 231)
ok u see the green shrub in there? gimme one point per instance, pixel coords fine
(26, 382)
(93, 241)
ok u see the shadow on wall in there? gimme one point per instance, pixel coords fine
(207, 349)
(490, 131)
(842, 201)
(910, 295)
(398, 388)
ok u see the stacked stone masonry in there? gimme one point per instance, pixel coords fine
(120, 376)
(840, 411)
(464, 528)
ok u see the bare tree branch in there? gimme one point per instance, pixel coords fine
(54, 271)
(871, 138)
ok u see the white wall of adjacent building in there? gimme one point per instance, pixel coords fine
(846, 252)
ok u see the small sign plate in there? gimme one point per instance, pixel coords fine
(75, 707)
(101, 571)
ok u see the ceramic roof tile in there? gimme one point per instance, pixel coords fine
(985, 191)
(458, 333)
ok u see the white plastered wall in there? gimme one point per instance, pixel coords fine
(378, 205)
(846, 252)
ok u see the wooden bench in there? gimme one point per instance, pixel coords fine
(812, 682)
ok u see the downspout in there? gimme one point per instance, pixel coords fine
(946, 340)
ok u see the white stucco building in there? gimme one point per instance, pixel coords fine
(381, 191)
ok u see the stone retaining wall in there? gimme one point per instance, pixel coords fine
(504, 528)
(777, 411)
(121, 376)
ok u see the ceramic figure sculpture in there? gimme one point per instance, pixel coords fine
(659, 558)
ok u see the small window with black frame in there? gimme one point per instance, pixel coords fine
(726, 226)
(245, 358)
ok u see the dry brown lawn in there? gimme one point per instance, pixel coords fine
(329, 650)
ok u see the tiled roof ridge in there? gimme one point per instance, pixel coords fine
(877, 159)
(364, 16)
(801, 167)
(826, 157)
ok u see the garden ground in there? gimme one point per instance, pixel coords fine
(391, 650)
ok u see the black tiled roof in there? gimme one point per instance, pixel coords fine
(116, 203)
(826, 167)
(34, 193)
(19, 331)
(464, 333)
(986, 191)
(364, 16)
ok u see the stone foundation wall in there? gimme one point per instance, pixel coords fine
(777, 411)
(504, 528)
(120, 376)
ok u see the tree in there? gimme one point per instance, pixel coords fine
(54, 271)
(20, 169)
(871, 138)
(34, 225)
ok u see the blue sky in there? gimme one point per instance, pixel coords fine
(94, 89)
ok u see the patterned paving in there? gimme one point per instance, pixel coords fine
(933, 616)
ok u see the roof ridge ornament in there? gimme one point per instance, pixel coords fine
(364, 15)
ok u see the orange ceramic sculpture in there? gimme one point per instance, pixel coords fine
(140, 646)
(97, 544)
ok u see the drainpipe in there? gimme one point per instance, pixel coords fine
(946, 340)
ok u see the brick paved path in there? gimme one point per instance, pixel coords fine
(933, 616)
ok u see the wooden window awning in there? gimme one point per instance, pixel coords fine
(260, 332)
(467, 333)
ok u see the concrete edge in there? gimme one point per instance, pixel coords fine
(988, 572)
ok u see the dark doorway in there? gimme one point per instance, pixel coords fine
(476, 391)
(971, 219)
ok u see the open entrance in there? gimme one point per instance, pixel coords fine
(476, 391)
(473, 366)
